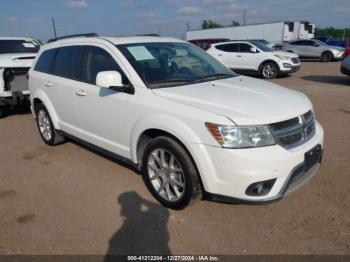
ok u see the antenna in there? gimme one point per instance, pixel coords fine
(54, 27)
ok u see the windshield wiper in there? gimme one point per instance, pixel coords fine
(212, 77)
(168, 82)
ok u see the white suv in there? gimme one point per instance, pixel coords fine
(189, 124)
(16, 57)
(255, 57)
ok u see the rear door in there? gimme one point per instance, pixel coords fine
(61, 83)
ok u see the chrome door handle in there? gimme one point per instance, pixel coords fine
(48, 84)
(80, 92)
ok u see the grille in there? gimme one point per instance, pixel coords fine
(294, 132)
(295, 60)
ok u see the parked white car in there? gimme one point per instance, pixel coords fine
(16, 57)
(189, 124)
(255, 57)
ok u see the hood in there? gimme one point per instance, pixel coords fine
(287, 54)
(244, 100)
(17, 60)
(339, 48)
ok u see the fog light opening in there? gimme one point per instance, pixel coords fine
(260, 188)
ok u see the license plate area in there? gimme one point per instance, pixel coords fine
(313, 157)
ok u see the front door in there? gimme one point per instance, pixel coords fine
(102, 112)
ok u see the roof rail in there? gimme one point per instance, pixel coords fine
(71, 36)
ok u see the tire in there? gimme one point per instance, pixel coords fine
(176, 189)
(326, 57)
(269, 70)
(46, 129)
(4, 111)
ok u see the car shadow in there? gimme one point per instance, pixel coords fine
(144, 230)
(336, 80)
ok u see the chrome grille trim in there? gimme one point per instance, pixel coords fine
(294, 132)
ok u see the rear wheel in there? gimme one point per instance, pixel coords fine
(269, 70)
(46, 129)
(170, 174)
(326, 57)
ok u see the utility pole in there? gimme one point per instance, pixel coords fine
(54, 27)
(244, 16)
(188, 26)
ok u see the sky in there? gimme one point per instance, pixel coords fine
(166, 17)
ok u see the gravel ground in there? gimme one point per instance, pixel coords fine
(71, 200)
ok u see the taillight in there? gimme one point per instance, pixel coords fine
(346, 52)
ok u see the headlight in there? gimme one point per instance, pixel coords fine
(282, 57)
(241, 137)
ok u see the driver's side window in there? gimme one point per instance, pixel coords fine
(98, 60)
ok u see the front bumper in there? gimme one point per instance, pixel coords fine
(292, 69)
(227, 173)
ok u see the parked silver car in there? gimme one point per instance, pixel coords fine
(312, 48)
(345, 66)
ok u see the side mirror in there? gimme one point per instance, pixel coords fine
(107, 79)
(253, 50)
(113, 80)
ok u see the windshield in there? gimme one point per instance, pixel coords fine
(262, 46)
(18, 46)
(319, 42)
(172, 64)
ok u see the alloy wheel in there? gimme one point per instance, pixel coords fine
(44, 125)
(166, 175)
(269, 71)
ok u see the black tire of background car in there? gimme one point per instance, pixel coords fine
(326, 57)
(193, 191)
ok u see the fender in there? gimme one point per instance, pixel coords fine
(39, 94)
(169, 124)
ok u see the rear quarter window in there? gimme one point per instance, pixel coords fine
(45, 61)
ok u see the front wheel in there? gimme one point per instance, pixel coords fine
(170, 174)
(269, 70)
(46, 128)
(326, 57)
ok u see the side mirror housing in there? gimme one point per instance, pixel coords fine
(113, 80)
(107, 79)
(253, 50)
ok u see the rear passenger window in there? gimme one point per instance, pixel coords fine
(67, 62)
(45, 61)
(98, 60)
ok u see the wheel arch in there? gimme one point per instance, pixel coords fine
(269, 61)
(41, 97)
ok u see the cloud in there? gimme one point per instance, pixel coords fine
(17, 19)
(79, 4)
(185, 10)
(13, 19)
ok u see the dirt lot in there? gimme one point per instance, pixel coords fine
(70, 200)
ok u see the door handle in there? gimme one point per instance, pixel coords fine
(219, 54)
(48, 84)
(81, 92)
(239, 56)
